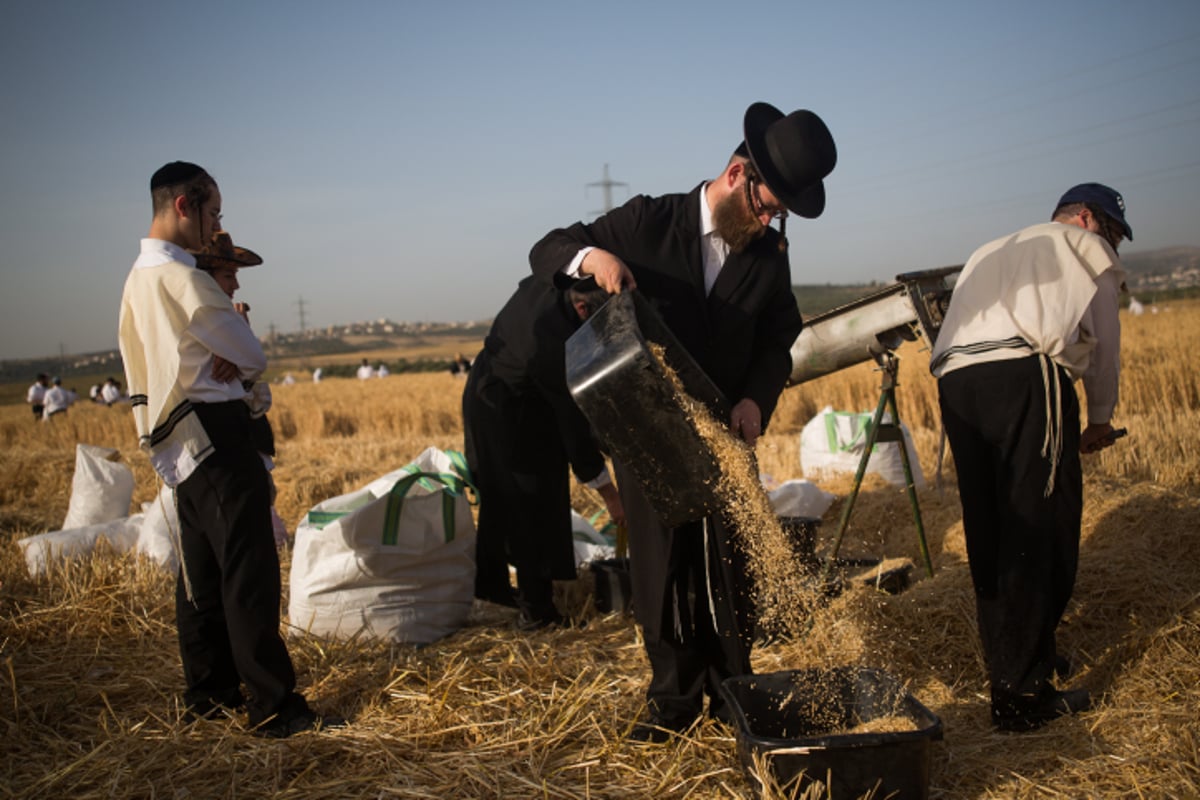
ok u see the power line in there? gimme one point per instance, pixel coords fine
(300, 304)
(607, 184)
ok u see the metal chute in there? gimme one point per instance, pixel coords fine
(879, 323)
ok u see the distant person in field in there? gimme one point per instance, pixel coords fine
(110, 392)
(365, 372)
(189, 358)
(57, 399)
(460, 366)
(523, 435)
(1031, 313)
(316, 375)
(222, 259)
(94, 393)
(36, 396)
(382, 371)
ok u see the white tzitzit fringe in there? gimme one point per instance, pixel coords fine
(176, 541)
(1052, 441)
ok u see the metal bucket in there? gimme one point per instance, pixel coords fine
(625, 394)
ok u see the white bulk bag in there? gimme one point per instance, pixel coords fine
(799, 498)
(158, 536)
(78, 543)
(101, 488)
(832, 442)
(590, 544)
(395, 559)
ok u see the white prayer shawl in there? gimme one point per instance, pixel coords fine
(56, 399)
(1026, 294)
(158, 305)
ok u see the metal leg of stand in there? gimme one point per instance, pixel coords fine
(880, 432)
(909, 487)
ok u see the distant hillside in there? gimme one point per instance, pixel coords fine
(816, 298)
(1162, 261)
(1162, 274)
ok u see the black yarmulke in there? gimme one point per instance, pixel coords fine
(175, 173)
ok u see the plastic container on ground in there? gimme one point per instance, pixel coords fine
(798, 725)
(614, 586)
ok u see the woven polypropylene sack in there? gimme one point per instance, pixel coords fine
(394, 560)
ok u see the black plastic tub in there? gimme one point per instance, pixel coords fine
(793, 724)
(614, 586)
(625, 394)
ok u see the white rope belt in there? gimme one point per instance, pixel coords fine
(1053, 438)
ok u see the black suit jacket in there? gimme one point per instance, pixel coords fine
(525, 351)
(741, 333)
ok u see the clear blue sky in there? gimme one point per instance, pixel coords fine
(398, 159)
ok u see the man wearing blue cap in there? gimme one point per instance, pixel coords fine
(1031, 313)
(718, 274)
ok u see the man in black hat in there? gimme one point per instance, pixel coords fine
(719, 276)
(188, 358)
(1031, 313)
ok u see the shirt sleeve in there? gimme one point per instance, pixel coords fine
(224, 333)
(1102, 321)
(571, 270)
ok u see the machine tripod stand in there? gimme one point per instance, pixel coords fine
(881, 431)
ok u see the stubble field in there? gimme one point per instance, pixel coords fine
(89, 671)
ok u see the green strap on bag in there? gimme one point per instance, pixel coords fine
(454, 483)
(860, 429)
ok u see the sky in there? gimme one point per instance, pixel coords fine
(398, 159)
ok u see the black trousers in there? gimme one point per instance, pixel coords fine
(1023, 546)
(229, 630)
(691, 595)
(519, 464)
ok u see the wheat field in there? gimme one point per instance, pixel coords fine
(90, 675)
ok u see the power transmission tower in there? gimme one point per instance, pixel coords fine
(607, 185)
(300, 303)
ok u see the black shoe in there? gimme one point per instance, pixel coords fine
(1063, 667)
(214, 707)
(1014, 718)
(276, 728)
(653, 729)
(722, 714)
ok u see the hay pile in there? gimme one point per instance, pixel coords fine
(89, 671)
(90, 675)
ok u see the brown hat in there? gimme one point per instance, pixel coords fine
(221, 252)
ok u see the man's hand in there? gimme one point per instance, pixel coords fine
(746, 420)
(1096, 437)
(243, 309)
(223, 371)
(610, 272)
(612, 503)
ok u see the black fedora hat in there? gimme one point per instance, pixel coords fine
(792, 155)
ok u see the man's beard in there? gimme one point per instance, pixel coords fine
(735, 224)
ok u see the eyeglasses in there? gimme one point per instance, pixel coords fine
(756, 205)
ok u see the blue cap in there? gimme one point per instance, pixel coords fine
(1108, 200)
